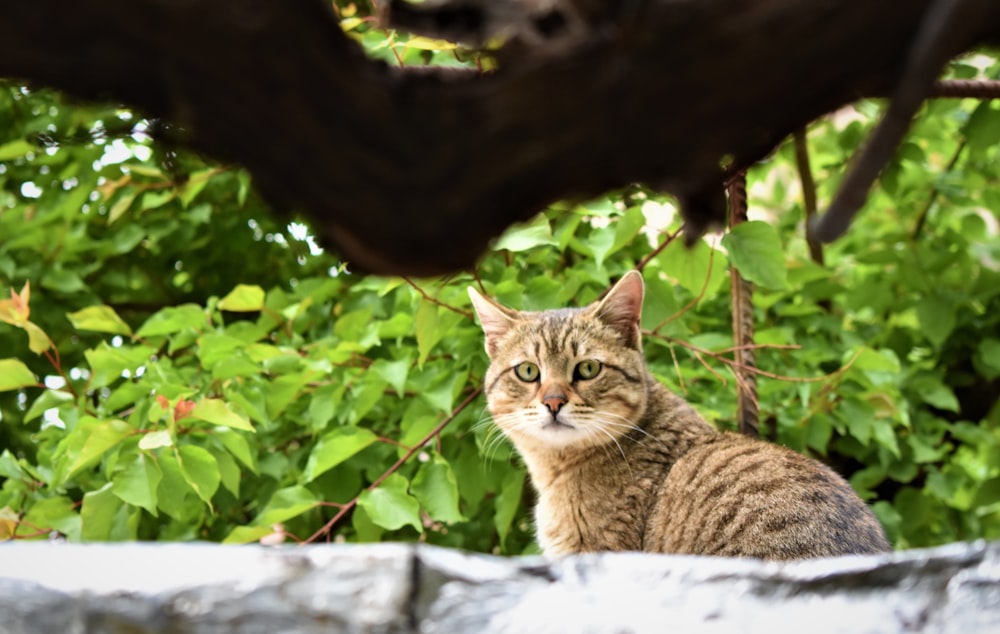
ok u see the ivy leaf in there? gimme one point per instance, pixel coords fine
(243, 298)
(137, 483)
(390, 506)
(436, 488)
(756, 251)
(200, 470)
(336, 447)
(217, 412)
(99, 319)
(14, 375)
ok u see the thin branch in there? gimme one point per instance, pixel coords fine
(434, 300)
(935, 192)
(659, 248)
(346, 508)
(808, 193)
(698, 297)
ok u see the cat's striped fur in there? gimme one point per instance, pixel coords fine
(622, 463)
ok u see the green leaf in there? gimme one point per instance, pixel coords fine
(200, 470)
(174, 491)
(247, 534)
(243, 298)
(937, 319)
(137, 483)
(229, 471)
(108, 364)
(700, 269)
(14, 375)
(508, 502)
(526, 236)
(121, 205)
(393, 372)
(988, 357)
(285, 504)
(195, 183)
(336, 447)
(174, 318)
(237, 445)
(982, 131)
(390, 506)
(217, 412)
(15, 149)
(428, 331)
(99, 319)
(97, 437)
(756, 251)
(155, 440)
(436, 488)
(98, 514)
(59, 513)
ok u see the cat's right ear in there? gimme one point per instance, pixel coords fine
(497, 320)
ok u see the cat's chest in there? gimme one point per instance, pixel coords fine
(595, 514)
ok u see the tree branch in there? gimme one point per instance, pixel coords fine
(415, 172)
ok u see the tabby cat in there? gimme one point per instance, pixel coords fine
(622, 463)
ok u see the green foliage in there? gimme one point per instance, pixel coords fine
(176, 363)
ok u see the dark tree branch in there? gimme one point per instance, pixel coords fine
(415, 172)
(945, 22)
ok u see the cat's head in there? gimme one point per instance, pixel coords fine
(566, 378)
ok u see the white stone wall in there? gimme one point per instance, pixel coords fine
(205, 588)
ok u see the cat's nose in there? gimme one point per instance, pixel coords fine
(554, 402)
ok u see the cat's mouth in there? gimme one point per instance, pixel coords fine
(554, 423)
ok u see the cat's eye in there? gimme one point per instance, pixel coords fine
(526, 371)
(586, 369)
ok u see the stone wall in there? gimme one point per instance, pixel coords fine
(203, 588)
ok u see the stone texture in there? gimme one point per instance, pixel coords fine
(204, 588)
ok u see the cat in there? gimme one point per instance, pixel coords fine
(621, 463)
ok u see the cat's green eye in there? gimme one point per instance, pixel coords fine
(526, 371)
(586, 369)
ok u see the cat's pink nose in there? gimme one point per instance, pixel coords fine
(554, 402)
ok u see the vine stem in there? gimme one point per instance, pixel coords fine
(434, 300)
(660, 247)
(699, 352)
(346, 508)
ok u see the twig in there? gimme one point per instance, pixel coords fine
(345, 508)
(918, 227)
(698, 298)
(659, 248)
(943, 21)
(808, 193)
(434, 300)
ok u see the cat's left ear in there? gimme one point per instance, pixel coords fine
(497, 320)
(621, 308)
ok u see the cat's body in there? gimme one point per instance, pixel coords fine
(622, 463)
